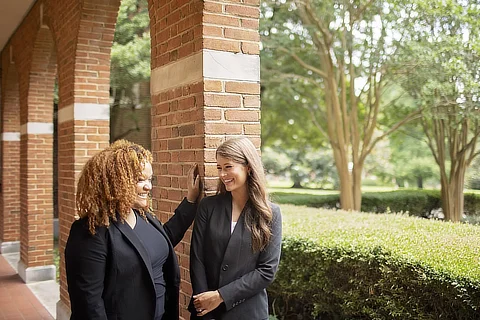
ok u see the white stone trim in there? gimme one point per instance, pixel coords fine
(210, 64)
(231, 66)
(36, 128)
(48, 293)
(63, 312)
(84, 111)
(11, 136)
(176, 74)
(9, 247)
(32, 274)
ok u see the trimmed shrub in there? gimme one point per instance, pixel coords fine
(340, 265)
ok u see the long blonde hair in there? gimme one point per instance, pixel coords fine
(107, 185)
(241, 150)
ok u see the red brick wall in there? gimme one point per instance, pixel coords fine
(232, 26)
(92, 64)
(175, 28)
(63, 18)
(10, 154)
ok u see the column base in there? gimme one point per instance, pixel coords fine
(34, 274)
(9, 247)
(63, 312)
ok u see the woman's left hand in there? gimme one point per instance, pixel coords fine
(193, 183)
(206, 301)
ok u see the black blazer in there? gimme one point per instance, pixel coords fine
(226, 262)
(109, 274)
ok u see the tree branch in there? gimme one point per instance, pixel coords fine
(317, 23)
(315, 122)
(412, 116)
(358, 13)
(303, 63)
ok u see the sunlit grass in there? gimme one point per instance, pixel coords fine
(286, 187)
(275, 185)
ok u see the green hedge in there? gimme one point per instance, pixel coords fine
(340, 265)
(416, 202)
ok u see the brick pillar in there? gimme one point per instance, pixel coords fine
(205, 86)
(84, 111)
(10, 159)
(36, 164)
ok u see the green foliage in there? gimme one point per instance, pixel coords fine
(288, 99)
(133, 20)
(304, 166)
(131, 62)
(130, 69)
(443, 79)
(473, 178)
(421, 203)
(130, 57)
(336, 265)
(410, 160)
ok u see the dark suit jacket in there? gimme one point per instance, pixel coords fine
(226, 262)
(109, 274)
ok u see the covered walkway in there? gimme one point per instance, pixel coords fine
(204, 88)
(17, 300)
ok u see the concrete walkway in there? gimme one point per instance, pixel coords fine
(35, 301)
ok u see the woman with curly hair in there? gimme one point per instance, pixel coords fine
(236, 240)
(119, 258)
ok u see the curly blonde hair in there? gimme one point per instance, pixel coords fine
(241, 150)
(106, 189)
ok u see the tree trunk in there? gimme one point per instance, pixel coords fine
(344, 178)
(452, 196)
(400, 182)
(297, 185)
(346, 189)
(420, 182)
(357, 187)
(114, 112)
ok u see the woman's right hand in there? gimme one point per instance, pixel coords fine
(193, 183)
(207, 301)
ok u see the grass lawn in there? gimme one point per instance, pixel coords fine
(285, 187)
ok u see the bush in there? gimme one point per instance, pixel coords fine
(340, 265)
(421, 203)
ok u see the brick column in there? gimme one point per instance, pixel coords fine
(36, 164)
(84, 110)
(205, 86)
(177, 111)
(231, 72)
(10, 159)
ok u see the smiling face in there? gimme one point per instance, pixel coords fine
(144, 186)
(232, 174)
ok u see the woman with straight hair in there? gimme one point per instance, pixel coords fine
(236, 240)
(119, 258)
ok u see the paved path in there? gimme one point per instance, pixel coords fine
(17, 302)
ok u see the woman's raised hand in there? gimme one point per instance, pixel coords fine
(193, 183)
